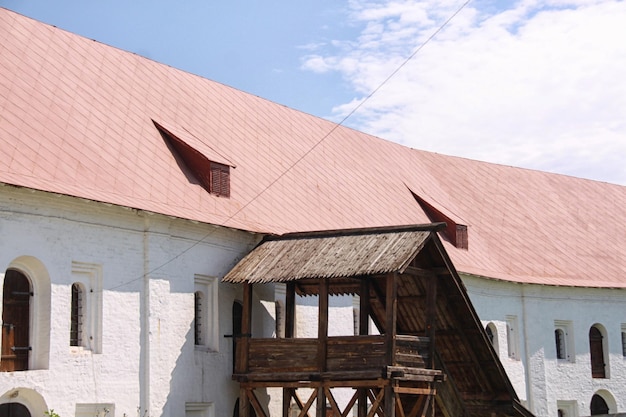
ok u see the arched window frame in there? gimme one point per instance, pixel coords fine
(598, 405)
(564, 341)
(40, 306)
(89, 277)
(599, 355)
(492, 334)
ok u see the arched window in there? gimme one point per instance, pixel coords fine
(598, 405)
(559, 341)
(14, 410)
(16, 298)
(561, 413)
(77, 318)
(198, 317)
(492, 334)
(596, 350)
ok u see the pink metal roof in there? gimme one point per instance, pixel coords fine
(76, 118)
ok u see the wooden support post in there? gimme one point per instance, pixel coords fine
(364, 313)
(286, 401)
(431, 318)
(391, 317)
(243, 344)
(290, 307)
(322, 328)
(390, 338)
(321, 402)
(322, 345)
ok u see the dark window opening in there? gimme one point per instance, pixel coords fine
(14, 410)
(76, 315)
(598, 406)
(559, 341)
(197, 328)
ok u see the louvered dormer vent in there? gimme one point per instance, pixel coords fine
(454, 232)
(213, 176)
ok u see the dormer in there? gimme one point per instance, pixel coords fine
(455, 231)
(205, 165)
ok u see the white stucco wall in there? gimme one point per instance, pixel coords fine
(539, 378)
(148, 361)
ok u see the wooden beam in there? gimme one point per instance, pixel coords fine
(290, 309)
(391, 316)
(415, 391)
(260, 412)
(364, 306)
(427, 273)
(431, 318)
(364, 313)
(322, 325)
(241, 365)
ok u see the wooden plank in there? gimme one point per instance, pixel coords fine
(391, 316)
(322, 329)
(415, 391)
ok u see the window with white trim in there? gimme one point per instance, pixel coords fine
(77, 305)
(567, 408)
(564, 341)
(512, 337)
(205, 312)
(86, 307)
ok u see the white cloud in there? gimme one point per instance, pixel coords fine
(541, 84)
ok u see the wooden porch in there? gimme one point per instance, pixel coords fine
(429, 355)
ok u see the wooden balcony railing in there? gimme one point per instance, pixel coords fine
(354, 357)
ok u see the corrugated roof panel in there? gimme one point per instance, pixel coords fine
(329, 256)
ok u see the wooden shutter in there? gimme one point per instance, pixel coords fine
(597, 353)
(220, 179)
(15, 322)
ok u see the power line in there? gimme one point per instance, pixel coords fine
(311, 149)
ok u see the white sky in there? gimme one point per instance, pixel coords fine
(538, 84)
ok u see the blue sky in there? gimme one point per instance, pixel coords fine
(533, 83)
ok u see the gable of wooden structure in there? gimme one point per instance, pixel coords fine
(476, 383)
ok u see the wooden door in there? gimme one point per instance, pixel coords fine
(14, 410)
(597, 353)
(15, 322)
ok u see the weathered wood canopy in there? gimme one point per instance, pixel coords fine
(431, 355)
